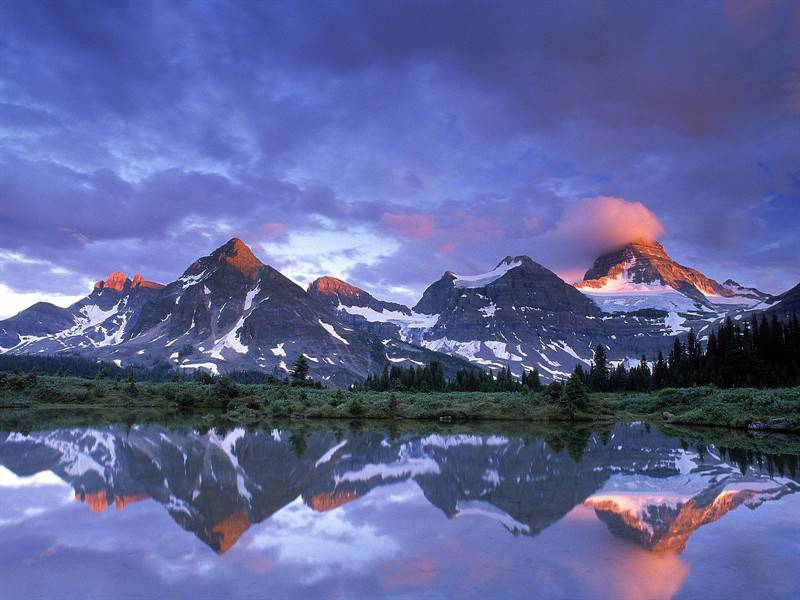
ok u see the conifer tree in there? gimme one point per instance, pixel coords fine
(598, 374)
(299, 370)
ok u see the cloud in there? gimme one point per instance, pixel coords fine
(457, 133)
(532, 223)
(322, 543)
(604, 223)
(409, 225)
(272, 231)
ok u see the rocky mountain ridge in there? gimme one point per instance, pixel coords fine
(228, 310)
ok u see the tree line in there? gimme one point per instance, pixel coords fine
(431, 378)
(756, 353)
(760, 352)
(70, 365)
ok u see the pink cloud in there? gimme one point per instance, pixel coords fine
(571, 275)
(448, 248)
(273, 231)
(410, 225)
(744, 10)
(603, 223)
(478, 227)
(532, 223)
(408, 573)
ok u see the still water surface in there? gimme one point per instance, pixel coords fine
(631, 513)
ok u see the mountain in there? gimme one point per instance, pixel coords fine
(227, 311)
(99, 320)
(336, 292)
(518, 315)
(362, 310)
(741, 292)
(41, 319)
(642, 275)
(230, 311)
(783, 305)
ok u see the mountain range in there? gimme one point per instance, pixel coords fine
(230, 311)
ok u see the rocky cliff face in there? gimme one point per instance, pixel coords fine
(119, 282)
(336, 292)
(646, 261)
(359, 309)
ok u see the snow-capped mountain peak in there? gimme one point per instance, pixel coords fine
(484, 279)
(642, 275)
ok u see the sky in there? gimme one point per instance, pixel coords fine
(387, 142)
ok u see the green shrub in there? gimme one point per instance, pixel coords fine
(15, 382)
(554, 392)
(186, 400)
(225, 387)
(356, 408)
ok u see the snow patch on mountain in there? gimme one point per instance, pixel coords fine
(674, 322)
(228, 447)
(411, 327)
(450, 441)
(329, 328)
(478, 508)
(484, 279)
(734, 301)
(188, 281)
(406, 467)
(488, 310)
(468, 350)
(500, 351)
(208, 366)
(230, 340)
(248, 299)
(114, 338)
(619, 294)
(329, 454)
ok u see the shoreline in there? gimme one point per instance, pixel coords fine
(748, 409)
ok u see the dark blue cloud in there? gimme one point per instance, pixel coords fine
(139, 135)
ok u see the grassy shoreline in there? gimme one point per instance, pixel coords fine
(251, 404)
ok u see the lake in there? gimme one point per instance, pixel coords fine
(628, 512)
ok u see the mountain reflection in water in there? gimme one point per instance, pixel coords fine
(365, 514)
